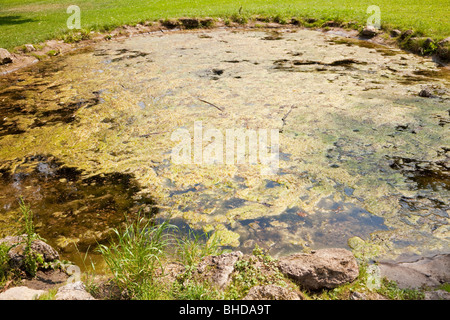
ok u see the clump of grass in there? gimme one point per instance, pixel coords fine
(136, 256)
(192, 249)
(4, 263)
(53, 53)
(77, 36)
(32, 259)
(258, 269)
(390, 290)
(49, 295)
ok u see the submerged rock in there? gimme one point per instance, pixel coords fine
(325, 268)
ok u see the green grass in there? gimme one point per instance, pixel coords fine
(136, 256)
(33, 21)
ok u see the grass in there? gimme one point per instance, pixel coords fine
(32, 21)
(136, 256)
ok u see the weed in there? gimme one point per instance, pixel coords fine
(390, 290)
(194, 248)
(32, 259)
(136, 256)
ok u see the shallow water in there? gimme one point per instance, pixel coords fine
(361, 154)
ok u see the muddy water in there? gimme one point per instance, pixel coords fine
(86, 138)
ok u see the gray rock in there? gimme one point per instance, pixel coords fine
(16, 254)
(21, 293)
(443, 49)
(445, 41)
(325, 268)
(437, 295)
(406, 34)
(5, 57)
(428, 272)
(425, 93)
(29, 47)
(73, 291)
(395, 33)
(358, 296)
(369, 32)
(217, 269)
(272, 292)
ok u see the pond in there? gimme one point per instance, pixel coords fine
(87, 138)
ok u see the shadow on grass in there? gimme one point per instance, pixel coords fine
(11, 20)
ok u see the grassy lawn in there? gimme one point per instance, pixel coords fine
(33, 21)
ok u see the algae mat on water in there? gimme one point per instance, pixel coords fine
(360, 152)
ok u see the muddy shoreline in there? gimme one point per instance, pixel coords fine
(24, 57)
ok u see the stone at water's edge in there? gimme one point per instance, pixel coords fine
(16, 254)
(21, 293)
(272, 292)
(73, 291)
(5, 57)
(219, 268)
(369, 32)
(325, 268)
(425, 272)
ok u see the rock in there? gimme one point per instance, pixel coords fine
(395, 33)
(425, 93)
(311, 20)
(358, 296)
(425, 272)
(331, 24)
(73, 291)
(445, 41)
(217, 269)
(272, 292)
(16, 254)
(29, 47)
(5, 57)
(406, 34)
(437, 295)
(325, 268)
(369, 32)
(190, 23)
(21, 293)
(443, 49)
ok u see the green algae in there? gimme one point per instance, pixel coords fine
(341, 134)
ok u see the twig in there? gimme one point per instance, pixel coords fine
(285, 117)
(211, 104)
(151, 133)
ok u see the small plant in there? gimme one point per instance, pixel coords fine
(32, 259)
(193, 249)
(258, 269)
(83, 34)
(49, 295)
(239, 18)
(4, 262)
(194, 290)
(390, 290)
(53, 53)
(136, 256)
